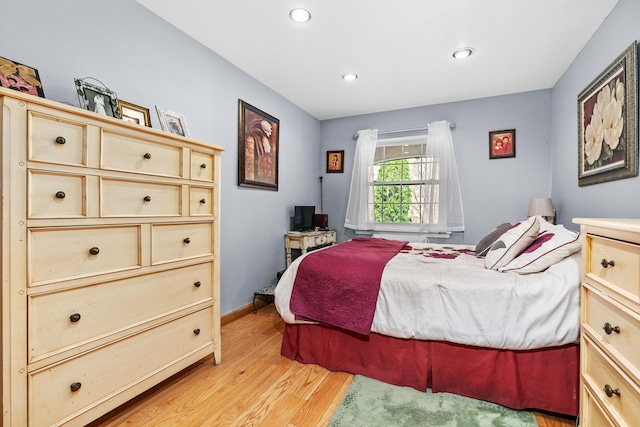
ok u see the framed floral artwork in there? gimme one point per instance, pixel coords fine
(607, 127)
(502, 144)
(23, 78)
(258, 148)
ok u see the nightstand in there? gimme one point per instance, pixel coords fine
(307, 241)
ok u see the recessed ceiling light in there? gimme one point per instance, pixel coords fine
(349, 76)
(463, 53)
(300, 15)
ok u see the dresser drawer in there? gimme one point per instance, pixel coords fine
(124, 153)
(57, 140)
(56, 195)
(601, 372)
(602, 315)
(202, 166)
(63, 319)
(113, 369)
(65, 253)
(201, 201)
(621, 269)
(172, 242)
(133, 198)
(592, 414)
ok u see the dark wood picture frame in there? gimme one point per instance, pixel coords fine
(133, 113)
(258, 148)
(607, 123)
(20, 77)
(335, 161)
(502, 144)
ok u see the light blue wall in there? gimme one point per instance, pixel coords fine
(615, 199)
(493, 191)
(148, 62)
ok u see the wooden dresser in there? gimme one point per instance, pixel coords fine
(110, 249)
(610, 316)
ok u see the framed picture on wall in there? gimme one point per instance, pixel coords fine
(607, 125)
(258, 148)
(23, 78)
(172, 122)
(502, 144)
(335, 161)
(133, 113)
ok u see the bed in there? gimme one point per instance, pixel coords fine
(444, 317)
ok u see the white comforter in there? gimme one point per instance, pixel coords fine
(458, 300)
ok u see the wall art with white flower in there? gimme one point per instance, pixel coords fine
(608, 133)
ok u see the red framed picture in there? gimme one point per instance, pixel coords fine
(502, 144)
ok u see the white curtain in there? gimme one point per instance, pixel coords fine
(440, 146)
(359, 216)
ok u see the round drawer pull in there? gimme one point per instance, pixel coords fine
(147, 155)
(196, 331)
(60, 140)
(611, 391)
(60, 195)
(203, 166)
(75, 387)
(94, 250)
(608, 328)
(203, 201)
(604, 263)
(75, 317)
(186, 240)
(147, 198)
(197, 284)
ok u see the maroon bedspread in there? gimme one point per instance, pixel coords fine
(339, 285)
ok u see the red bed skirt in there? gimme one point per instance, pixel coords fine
(545, 379)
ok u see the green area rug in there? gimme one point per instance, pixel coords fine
(370, 403)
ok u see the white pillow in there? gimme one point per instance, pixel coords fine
(554, 243)
(512, 243)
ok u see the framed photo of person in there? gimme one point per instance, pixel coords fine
(98, 99)
(133, 113)
(502, 144)
(172, 122)
(335, 161)
(23, 78)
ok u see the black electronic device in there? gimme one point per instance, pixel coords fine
(303, 218)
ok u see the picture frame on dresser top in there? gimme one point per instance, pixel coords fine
(22, 78)
(172, 122)
(258, 148)
(607, 123)
(133, 113)
(99, 99)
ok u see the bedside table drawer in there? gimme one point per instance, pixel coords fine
(615, 264)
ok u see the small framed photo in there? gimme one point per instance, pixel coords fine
(98, 99)
(133, 113)
(16, 76)
(172, 122)
(335, 161)
(502, 144)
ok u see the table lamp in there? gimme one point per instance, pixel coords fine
(542, 207)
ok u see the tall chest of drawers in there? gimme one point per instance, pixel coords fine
(110, 260)
(610, 318)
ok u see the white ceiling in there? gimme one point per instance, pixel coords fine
(401, 49)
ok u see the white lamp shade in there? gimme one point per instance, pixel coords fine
(542, 207)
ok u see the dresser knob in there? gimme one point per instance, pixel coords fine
(147, 198)
(60, 195)
(94, 250)
(186, 240)
(196, 331)
(197, 284)
(147, 155)
(75, 317)
(60, 140)
(75, 387)
(611, 391)
(203, 201)
(608, 328)
(203, 166)
(604, 263)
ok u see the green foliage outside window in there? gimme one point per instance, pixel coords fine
(392, 201)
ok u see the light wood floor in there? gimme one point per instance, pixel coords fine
(253, 386)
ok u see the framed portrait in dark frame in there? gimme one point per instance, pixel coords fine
(335, 161)
(502, 144)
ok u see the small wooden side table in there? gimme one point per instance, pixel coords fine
(307, 240)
